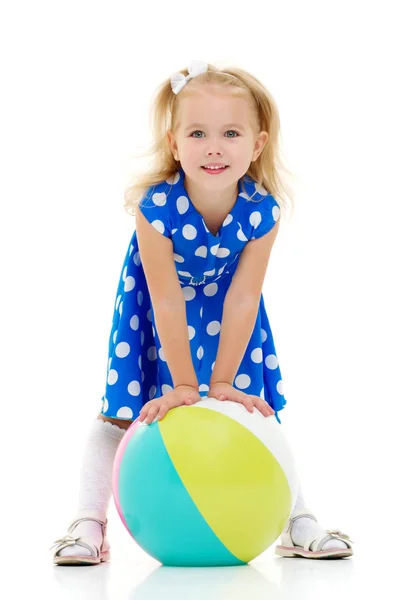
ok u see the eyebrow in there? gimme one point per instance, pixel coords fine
(238, 125)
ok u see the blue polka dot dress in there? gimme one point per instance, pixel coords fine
(205, 263)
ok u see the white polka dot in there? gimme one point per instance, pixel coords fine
(109, 363)
(134, 322)
(120, 308)
(200, 352)
(228, 220)
(124, 273)
(159, 198)
(118, 300)
(212, 366)
(223, 252)
(105, 405)
(165, 388)
(221, 269)
(129, 283)
(256, 355)
(125, 413)
(112, 377)
(255, 218)
(242, 381)
(191, 331)
(140, 361)
(149, 315)
(241, 236)
(203, 387)
(263, 335)
(213, 327)
(209, 273)
(134, 388)
(214, 249)
(152, 392)
(141, 338)
(260, 189)
(201, 251)
(158, 225)
(188, 292)
(136, 259)
(178, 258)
(140, 297)
(154, 331)
(211, 289)
(152, 353)
(189, 232)
(174, 178)
(122, 349)
(279, 387)
(115, 335)
(201, 312)
(184, 273)
(182, 204)
(276, 212)
(130, 249)
(261, 394)
(271, 361)
(161, 354)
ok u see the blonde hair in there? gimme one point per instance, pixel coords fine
(265, 170)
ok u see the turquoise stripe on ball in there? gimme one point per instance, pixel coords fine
(174, 533)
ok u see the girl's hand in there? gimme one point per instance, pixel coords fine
(222, 390)
(158, 408)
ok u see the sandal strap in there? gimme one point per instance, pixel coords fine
(325, 537)
(298, 514)
(70, 540)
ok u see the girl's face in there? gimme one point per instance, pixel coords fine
(215, 126)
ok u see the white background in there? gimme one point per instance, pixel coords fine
(77, 81)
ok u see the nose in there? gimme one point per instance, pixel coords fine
(214, 146)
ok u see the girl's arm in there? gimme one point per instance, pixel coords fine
(241, 306)
(168, 301)
(172, 330)
(238, 320)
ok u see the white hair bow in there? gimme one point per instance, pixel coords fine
(178, 80)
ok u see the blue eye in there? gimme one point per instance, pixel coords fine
(198, 131)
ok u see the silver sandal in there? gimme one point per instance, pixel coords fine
(290, 550)
(98, 555)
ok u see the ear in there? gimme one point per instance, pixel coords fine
(260, 143)
(172, 144)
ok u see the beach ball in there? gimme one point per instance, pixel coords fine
(210, 484)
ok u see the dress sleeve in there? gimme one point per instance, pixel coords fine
(154, 206)
(263, 216)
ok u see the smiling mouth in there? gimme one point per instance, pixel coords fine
(214, 168)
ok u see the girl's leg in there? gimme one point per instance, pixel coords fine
(96, 478)
(305, 527)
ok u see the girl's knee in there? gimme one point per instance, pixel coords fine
(123, 423)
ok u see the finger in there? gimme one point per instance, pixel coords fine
(262, 406)
(152, 414)
(245, 400)
(143, 413)
(163, 411)
(264, 409)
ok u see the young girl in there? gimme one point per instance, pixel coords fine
(189, 317)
